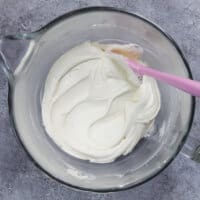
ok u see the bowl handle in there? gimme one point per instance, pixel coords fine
(191, 149)
(14, 54)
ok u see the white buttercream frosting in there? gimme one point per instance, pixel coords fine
(94, 106)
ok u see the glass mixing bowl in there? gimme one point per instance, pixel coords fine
(35, 54)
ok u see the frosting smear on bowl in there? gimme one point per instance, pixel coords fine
(94, 106)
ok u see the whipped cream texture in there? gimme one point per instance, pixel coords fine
(94, 106)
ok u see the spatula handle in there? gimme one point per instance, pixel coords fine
(190, 86)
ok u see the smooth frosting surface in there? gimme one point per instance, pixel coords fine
(94, 106)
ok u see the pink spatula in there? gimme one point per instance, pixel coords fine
(190, 86)
(132, 53)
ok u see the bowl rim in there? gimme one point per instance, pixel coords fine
(117, 10)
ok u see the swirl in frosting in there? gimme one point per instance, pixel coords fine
(94, 106)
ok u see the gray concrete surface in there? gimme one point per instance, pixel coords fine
(20, 179)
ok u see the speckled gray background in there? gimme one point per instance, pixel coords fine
(20, 179)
